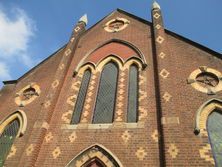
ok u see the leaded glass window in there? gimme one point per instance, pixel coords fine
(214, 127)
(105, 102)
(133, 94)
(7, 138)
(81, 97)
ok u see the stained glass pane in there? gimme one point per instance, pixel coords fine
(81, 97)
(106, 97)
(7, 139)
(133, 94)
(214, 127)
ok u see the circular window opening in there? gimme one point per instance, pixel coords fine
(207, 79)
(28, 93)
(116, 25)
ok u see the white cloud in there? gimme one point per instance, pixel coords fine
(4, 71)
(16, 30)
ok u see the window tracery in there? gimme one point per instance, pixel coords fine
(105, 103)
(10, 128)
(214, 127)
(81, 97)
(132, 114)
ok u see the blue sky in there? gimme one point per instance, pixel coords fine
(32, 30)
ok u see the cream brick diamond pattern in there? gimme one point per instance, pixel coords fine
(75, 85)
(126, 136)
(162, 55)
(61, 67)
(156, 15)
(29, 150)
(85, 113)
(120, 98)
(141, 80)
(71, 100)
(167, 96)
(141, 153)
(48, 137)
(66, 116)
(88, 100)
(164, 74)
(67, 52)
(77, 29)
(72, 39)
(155, 136)
(121, 91)
(159, 39)
(205, 154)
(56, 152)
(142, 113)
(173, 150)
(12, 152)
(47, 104)
(87, 106)
(158, 26)
(142, 95)
(72, 137)
(119, 112)
(55, 84)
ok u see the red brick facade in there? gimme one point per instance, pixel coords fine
(168, 100)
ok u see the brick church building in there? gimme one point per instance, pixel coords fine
(124, 93)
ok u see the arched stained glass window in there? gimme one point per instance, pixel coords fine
(7, 138)
(105, 103)
(214, 128)
(81, 97)
(132, 114)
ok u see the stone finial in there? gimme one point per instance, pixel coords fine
(156, 5)
(84, 19)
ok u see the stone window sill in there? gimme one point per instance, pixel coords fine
(116, 125)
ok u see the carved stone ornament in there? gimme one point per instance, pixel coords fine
(116, 24)
(27, 94)
(206, 80)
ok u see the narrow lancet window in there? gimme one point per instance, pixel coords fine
(214, 128)
(132, 114)
(105, 102)
(81, 97)
(7, 138)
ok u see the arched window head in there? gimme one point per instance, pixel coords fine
(132, 114)
(81, 97)
(95, 156)
(214, 128)
(11, 127)
(94, 163)
(105, 102)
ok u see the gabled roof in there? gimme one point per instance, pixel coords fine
(32, 69)
(173, 34)
(219, 55)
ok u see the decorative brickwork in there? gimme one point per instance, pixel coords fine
(176, 79)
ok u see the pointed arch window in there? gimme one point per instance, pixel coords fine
(81, 97)
(214, 128)
(132, 114)
(95, 156)
(105, 102)
(7, 138)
